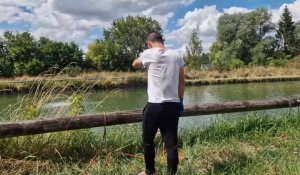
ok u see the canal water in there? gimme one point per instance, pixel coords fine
(132, 99)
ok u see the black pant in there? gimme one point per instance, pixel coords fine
(164, 116)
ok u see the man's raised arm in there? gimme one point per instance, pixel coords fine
(137, 63)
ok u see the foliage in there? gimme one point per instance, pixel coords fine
(193, 50)
(225, 57)
(73, 71)
(278, 62)
(122, 43)
(297, 31)
(105, 55)
(22, 54)
(244, 31)
(76, 106)
(6, 67)
(286, 33)
(249, 37)
(6, 63)
(297, 37)
(263, 52)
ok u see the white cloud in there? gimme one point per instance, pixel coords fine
(22, 3)
(293, 7)
(206, 18)
(108, 10)
(8, 12)
(181, 50)
(1, 32)
(70, 20)
(233, 10)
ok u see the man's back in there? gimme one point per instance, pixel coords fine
(165, 92)
(163, 74)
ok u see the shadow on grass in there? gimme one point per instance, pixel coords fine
(228, 162)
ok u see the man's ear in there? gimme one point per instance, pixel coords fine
(149, 45)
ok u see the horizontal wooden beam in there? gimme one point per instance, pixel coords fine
(53, 124)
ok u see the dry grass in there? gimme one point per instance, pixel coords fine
(251, 72)
(12, 166)
(295, 63)
(82, 76)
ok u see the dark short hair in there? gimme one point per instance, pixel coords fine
(155, 37)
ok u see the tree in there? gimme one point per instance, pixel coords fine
(129, 37)
(34, 67)
(6, 63)
(94, 53)
(224, 57)
(297, 37)
(228, 25)
(21, 53)
(105, 55)
(194, 50)
(59, 54)
(297, 31)
(238, 34)
(264, 51)
(22, 48)
(253, 28)
(286, 33)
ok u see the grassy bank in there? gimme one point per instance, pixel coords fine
(252, 145)
(110, 80)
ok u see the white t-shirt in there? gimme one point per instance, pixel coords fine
(163, 74)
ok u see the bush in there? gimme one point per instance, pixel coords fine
(20, 69)
(34, 67)
(236, 63)
(278, 62)
(73, 71)
(6, 67)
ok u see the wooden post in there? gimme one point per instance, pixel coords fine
(53, 124)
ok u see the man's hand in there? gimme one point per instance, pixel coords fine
(181, 86)
(137, 64)
(181, 107)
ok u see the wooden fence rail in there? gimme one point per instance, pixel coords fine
(53, 124)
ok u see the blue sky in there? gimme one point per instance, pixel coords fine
(84, 21)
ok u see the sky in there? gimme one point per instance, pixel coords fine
(83, 21)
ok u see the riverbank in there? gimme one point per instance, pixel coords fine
(255, 144)
(112, 80)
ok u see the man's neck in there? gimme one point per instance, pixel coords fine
(161, 46)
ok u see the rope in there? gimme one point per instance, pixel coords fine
(105, 121)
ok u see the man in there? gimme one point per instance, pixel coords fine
(165, 95)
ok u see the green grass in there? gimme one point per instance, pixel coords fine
(252, 145)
